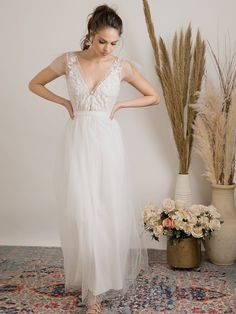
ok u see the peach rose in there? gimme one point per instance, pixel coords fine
(168, 223)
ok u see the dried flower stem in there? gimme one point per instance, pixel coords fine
(180, 74)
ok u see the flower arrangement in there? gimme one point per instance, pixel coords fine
(177, 222)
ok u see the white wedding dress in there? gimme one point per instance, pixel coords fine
(101, 228)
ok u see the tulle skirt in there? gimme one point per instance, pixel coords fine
(100, 223)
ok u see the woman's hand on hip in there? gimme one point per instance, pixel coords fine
(116, 107)
(67, 104)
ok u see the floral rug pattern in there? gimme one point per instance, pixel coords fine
(32, 281)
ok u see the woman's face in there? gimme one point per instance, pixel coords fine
(105, 41)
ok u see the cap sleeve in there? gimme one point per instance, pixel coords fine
(130, 70)
(58, 65)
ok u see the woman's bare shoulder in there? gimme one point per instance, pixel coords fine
(79, 53)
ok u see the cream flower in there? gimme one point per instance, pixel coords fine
(196, 210)
(197, 232)
(175, 215)
(180, 225)
(213, 211)
(214, 224)
(168, 205)
(204, 221)
(179, 215)
(158, 230)
(188, 228)
(188, 215)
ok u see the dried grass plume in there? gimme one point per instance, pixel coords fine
(215, 124)
(180, 73)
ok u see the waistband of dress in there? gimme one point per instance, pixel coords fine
(91, 112)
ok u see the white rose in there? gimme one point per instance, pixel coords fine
(180, 225)
(203, 208)
(179, 215)
(188, 228)
(204, 221)
(195, 210)
(193, 220)
(185, 214)
(197, 232)
(153, 222)
(158, 230)
(150, 217)
(213, 211)
(214, 224)
(168, 204)
(188, 215)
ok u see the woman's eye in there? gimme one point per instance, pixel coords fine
(103, 42)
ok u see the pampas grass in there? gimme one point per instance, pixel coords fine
(230, 140)
(215, 124)
(180, 73)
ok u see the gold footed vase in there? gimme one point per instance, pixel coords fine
(185, 253)
(221, 247)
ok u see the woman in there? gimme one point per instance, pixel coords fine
(100, 226)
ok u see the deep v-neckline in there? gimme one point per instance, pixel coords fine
(106, 75)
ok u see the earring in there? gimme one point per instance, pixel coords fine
(90, 41)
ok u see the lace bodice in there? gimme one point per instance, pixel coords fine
(102, 97)
(104, 94)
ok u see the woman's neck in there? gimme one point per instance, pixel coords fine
(91, 55)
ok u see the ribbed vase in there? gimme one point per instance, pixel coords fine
(183, 190)
(221, 247)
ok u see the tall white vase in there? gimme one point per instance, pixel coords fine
(221, 247)
(183, 190)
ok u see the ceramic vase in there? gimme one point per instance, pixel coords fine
(183, 189)
(221, 247)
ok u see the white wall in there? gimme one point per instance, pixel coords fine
(32, 34)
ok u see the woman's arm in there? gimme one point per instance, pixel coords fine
(151, 97)
(46, 75)
(134, 77)
(36, 85)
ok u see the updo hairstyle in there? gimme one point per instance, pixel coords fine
(103, 16)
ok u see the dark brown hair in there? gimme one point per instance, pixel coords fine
(103, 16)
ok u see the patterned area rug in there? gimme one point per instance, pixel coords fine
(32, 281)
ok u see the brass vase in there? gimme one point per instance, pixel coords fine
(185, 253)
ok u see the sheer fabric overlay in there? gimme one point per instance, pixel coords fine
(100, 221)
(129, 67)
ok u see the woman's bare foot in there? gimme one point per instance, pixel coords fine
(94, 304)
(96, 308)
